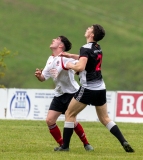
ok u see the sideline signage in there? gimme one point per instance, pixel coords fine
(129, 107)
(32, 104)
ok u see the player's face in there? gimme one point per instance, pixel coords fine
(56, 43)
(89, 32)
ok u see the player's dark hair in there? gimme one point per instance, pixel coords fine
(66, 42)
(99, 32)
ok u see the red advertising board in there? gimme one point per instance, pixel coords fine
(129, 106)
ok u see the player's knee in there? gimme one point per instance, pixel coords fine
(49, 121)
(104, 120)
(69, 114)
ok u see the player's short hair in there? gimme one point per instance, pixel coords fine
(66, 42)
(99, 32)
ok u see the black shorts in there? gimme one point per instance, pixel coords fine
(61, 103)
(93, 97)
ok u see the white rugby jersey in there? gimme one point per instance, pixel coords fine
(62, 77)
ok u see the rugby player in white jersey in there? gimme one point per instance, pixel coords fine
(66, 87)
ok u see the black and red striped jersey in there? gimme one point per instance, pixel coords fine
(91, 77)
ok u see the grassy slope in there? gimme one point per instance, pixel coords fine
(28, 26)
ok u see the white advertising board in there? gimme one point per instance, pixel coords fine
(3, 102)
(32, 104)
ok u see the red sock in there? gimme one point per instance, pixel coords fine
(56, 133)
(80, 132)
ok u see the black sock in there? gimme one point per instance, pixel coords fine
(117, 133)
(67, 133)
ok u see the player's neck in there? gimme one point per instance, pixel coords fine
(88, 40)
(56, 52)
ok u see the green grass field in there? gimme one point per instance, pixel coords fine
(30, 140)
(28, 26)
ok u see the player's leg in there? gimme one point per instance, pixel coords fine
(55, 110)
(72, 121)
(51, 119)
(81, 134)
(73, 109)
(65, 99)
(112, 127)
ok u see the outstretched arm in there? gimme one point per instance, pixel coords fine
(69, 55)
(38, 74)
(79, 66)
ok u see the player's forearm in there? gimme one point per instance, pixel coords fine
(76, 67)
(38, 74)
(41, 78)
(69, 55)
(74, 56)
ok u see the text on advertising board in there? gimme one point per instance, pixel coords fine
(129, 104)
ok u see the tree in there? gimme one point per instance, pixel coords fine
(3, 54)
